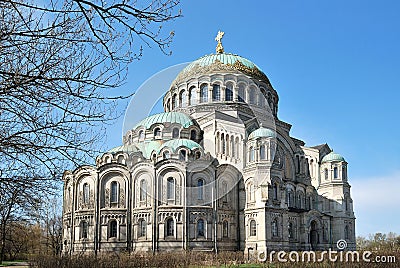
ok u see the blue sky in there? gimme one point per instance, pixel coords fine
(335, 65)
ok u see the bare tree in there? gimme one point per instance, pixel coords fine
(51, 222)
(58, 61)
(19, 202)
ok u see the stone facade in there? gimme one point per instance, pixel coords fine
(217, 171)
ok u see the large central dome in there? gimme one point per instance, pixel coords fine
(221, 81)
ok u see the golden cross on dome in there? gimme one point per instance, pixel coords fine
(219, 48)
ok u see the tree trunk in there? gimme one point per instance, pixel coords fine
(3, 242)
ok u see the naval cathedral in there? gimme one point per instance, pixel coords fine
(216, 171)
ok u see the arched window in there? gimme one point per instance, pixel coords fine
(237, 147)
(233, 152)
(200, 189)
(291, 230)
(141, 135)
(170, 188)
(297, 164)
(143, 190)
(86, 192)
(175, 133)
(193, 96)
(225, 229)
(204, 93)
(346, 232)
(227, 144)
(182, 155)
(168, 108)
(174, 102)
(250, 192)
(241, 94)
(200, 228)
(326, 174)
(228, 93)
(223, 142)
(253, 228)
(344, 173)
(262, 152)
(335, 173)
(84, 229)
(252, 96)
(216, 93)
(274, 228)
(300, 200)
(157, 132)
(165, 154)
(197, 155)
(114, 192)
(142, 228)
(290, 198)
(251, 157)
(170, 227)
(307, 167)
(182, 98)
(113, 229)
(275, 189)
(193, 135)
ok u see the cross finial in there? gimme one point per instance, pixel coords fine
(219, 48)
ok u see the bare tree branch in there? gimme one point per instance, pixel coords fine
(59, 61)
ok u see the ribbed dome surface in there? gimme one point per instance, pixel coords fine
(262, 132)
(332, 157)
(175, 144)
(220, 62)
(225, 58)
(170, 117)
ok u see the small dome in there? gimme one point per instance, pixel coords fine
(124, 148)
(332, 157)
(176, 143)
(262, 132)
(171, 117)
(149, 146)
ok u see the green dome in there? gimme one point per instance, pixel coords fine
(225, 58)
(262, 132)
(171, 117)
(223, 62)
(176, 143)
(148, 147)
(332, 157)
(124, 148)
